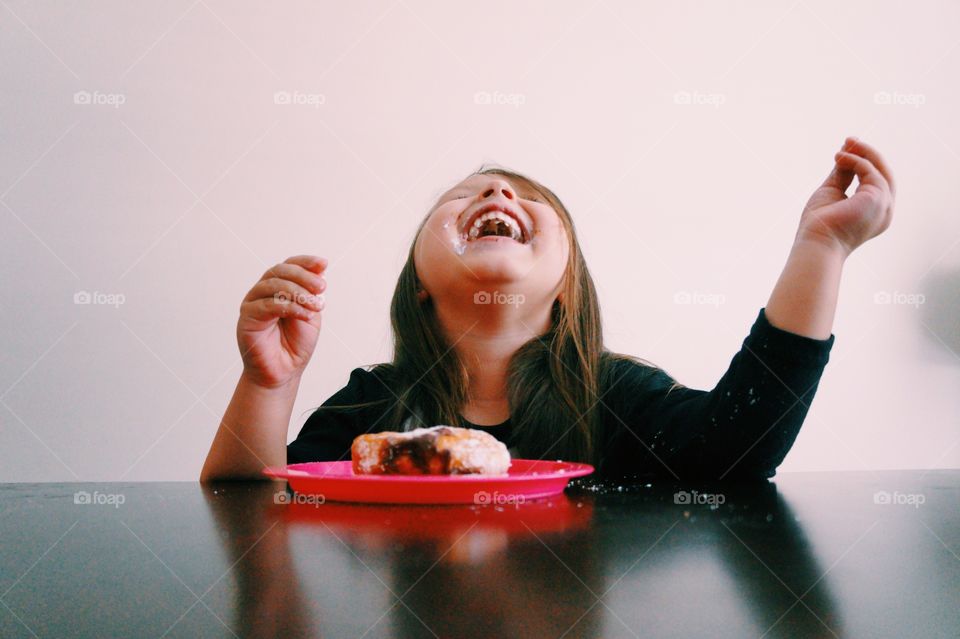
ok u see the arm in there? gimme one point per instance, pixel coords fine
(741, 429)
(277, 334)
(832, 225)
(253, 432)
(804, 299)
(748, 422)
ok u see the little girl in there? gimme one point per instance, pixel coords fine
(496, 326)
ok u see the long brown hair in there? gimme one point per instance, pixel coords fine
(555, 382)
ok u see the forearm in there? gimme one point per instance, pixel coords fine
(744, 426)
(253, 432)
(804, 300)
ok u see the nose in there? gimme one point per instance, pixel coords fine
(496, 187)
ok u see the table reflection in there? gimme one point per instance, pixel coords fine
(544, 568)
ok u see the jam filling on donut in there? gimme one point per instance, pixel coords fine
(418, 455)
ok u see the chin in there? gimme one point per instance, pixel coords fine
(496, 269)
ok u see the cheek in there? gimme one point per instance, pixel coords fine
(551, 244)
(439, 232)
(432, 251)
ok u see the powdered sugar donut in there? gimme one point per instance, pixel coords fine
(438, 450)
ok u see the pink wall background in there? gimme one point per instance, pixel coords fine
(147, 159)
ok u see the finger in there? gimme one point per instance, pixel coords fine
(284, 290)
(295, 273)
(313, 263)
(268, 308)
(866, 172)
(858, 146)
(839, 177)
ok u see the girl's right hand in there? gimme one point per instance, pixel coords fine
(280, 321)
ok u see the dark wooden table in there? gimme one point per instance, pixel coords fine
(807, 554)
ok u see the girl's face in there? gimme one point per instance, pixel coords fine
(487, 234)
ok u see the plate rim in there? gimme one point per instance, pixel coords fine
(579, 470)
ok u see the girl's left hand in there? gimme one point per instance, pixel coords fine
(847, 222)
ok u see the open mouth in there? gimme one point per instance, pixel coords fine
(495, 220)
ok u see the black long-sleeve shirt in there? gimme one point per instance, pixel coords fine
(741, 429)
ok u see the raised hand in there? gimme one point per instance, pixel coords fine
(280, 321)
(848, 222)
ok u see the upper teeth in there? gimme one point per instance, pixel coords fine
(511, 224)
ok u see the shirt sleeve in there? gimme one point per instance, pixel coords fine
(328, 434)
(742, 428)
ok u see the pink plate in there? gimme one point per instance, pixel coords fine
(335, 481)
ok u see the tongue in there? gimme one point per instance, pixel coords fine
(495, 227)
